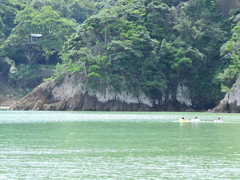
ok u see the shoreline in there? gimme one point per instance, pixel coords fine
(4, 107)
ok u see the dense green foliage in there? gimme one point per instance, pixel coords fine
(150, 46)
(24, 76)
(55, 20)
(5, 65)
(204, 28)
(134, 45)
(230, 52)
(47, 22)
(75, 10)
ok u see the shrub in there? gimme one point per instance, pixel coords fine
(24, 76)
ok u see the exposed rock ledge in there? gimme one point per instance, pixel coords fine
(71, 94)
(231, 101)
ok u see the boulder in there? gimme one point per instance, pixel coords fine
(231, 101)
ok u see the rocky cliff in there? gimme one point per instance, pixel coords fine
(231, 101)
(72, 94)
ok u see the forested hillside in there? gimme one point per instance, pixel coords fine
(148, 46)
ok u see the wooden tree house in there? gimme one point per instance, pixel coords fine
(34, 50)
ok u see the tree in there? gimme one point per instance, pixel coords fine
(203, 28)
(104, 4)
(80, 10)
(156, 24)
(147, 45)
(75, 10)
(54, 29)
(8, 11)
(231, 52)
(2, 38)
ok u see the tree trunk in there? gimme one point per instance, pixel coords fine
(105, 34)
(33, 54)
(47, 61)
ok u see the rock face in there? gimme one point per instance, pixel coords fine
(231, 101)
(72, 94)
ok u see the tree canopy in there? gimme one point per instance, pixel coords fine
(134, 45)
(47, 22)
(150, 46)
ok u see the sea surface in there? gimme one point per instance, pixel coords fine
(118, 145)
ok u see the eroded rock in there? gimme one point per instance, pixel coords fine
(72, 94)
(231, 101)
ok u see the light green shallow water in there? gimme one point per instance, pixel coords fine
(100, 145)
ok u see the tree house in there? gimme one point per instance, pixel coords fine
(34, 50)
(33, 38)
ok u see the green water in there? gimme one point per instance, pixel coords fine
(100, 145)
